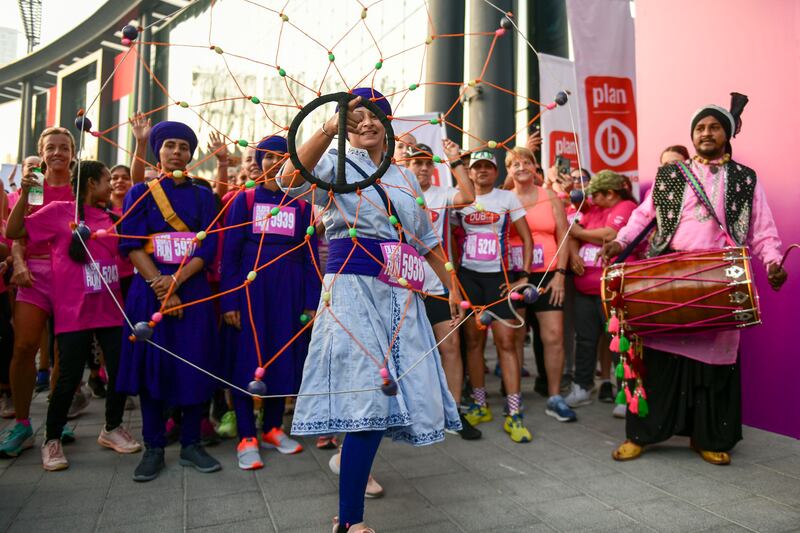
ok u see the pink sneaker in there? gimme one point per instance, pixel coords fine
(119, 440)
(53, 458)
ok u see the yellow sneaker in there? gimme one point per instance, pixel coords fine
(478, 413)
(513, 426)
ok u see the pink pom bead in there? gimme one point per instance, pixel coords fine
(516, 296)
(385, 373)
(95, 134)
(614, 346)
(642, 393)
(464, 304)
(100, 233)
(551, 105)
(126, 41)
(156, 316)
(500, 32)
(613, 325)
(259, 373)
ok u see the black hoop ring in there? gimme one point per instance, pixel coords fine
(340, 186)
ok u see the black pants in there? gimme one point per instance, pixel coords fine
(689, 398)
(74, 351)
(6, 339)
(589, 327)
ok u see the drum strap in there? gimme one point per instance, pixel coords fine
(700, 192)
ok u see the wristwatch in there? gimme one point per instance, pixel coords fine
(456, 163)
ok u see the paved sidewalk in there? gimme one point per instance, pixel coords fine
(565, 480)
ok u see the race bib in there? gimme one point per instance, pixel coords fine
(538, 257)
(402, 261)
(515, 262)
(281, 224)
(171, 248)
(482, 247)
(92, 281)
(589, 254)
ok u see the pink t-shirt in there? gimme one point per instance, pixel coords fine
(124, 264)
(599, 217)
(80, 299)
(51, 194)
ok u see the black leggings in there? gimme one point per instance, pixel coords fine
(74, 350)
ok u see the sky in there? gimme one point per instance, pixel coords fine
(58, 17)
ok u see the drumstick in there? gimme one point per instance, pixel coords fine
(786, 253)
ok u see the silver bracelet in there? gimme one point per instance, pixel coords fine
(325, 133)
(151, 280)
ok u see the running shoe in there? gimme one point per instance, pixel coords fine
(197, 457)
(248, 454)
(19, 438)
(227, 426)
(327, 442)
(42, 380)
(518, 432)
(130, 403)
(477, 414)
(67, 435)
(80, 402)
(151, 464)
(119, 440)
(468, 431)
(558, 409)
(373, 490)
(619, 410)
(578, 396)
(53, 458)
(7, 410)
(278, 440)
(97, 387)
(606, 392)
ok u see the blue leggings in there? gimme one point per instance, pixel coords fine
(358, 453)
(246, 421)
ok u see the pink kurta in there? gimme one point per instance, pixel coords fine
(697, 230)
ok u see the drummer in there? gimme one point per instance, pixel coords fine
(692, 381)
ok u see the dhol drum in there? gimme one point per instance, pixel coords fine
(683, 292)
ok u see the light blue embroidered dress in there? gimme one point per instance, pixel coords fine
(371, 310)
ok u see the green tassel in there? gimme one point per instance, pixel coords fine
(624, 344)
(644, 409)
(620, 371)
(621, 396)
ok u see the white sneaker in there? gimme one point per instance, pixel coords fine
(333, 463)
(7, 410)
(80, 402)
(578, 396)
(619, 410)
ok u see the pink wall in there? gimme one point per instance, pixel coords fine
(688, 54)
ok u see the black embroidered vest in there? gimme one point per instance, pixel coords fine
(668, 193)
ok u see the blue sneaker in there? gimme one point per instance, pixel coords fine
(67, 435)
(558, 409)
(42, 380)
(19, 438)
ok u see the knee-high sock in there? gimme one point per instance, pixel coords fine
(358, 453)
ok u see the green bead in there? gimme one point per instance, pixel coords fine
(331, 57)
(393, 220)
(184, 104)
(304, 318)
(364, 13)
(251, 276)
(326, 296)
(281, 72)
(412, 86)
(644, 409)
(434, 121)
(255, 100)
(378, 65)
(249, 184)
(284, 18)
(620, 371)
(420, 200)
(310, 230)
(624, 344)
(201, 235)
(437, 159)
(274, 211)
(353, 233)
(243, 143)
(621, 399)
(217, 49)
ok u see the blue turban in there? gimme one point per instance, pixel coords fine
(368, 93)
(171, 130)
(273, 144)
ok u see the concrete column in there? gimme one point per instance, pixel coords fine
(26, 144)
(491, 111)
(445, 62)
(143, 77)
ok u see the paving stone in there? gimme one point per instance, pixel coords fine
(670, 514)
(536, 489)
(86, 501)
(13, 497)
(704, 491)
(152, 506)
(224, 509)
(63, 524)
(615, 488)
(483, 513)
(255, 525)
(760, 514)
(305, 485)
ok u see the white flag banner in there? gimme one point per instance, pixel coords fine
(605, 70)
(558, 138)
(426, 133)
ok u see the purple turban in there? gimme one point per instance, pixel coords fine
(368, 93)
(272, 144)
(171, 130)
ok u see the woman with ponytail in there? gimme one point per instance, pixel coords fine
(84, 305)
